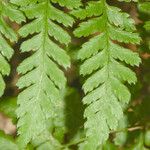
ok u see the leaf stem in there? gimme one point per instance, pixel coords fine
(129, 129)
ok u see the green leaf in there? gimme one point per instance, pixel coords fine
(123, 36)
(7, 34)
(92, 47)
(124, 54)
(93, 63)
(120, 19)
(23, 2)
(120, 90)
(95, 80)
(93, 9)
(104, 63)
(123, 73)
(42, 80)
(68, 3)
(89, 27)
(11, 11)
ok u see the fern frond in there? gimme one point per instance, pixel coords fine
(42, 79)
(7, 34)
(103, 62)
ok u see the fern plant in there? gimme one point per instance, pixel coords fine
(42, 79)
(46, 111)
(104, 59)
(7, 35)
